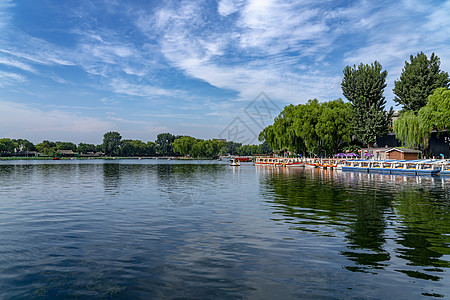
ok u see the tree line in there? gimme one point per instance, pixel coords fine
(330, 127)
(166, 144)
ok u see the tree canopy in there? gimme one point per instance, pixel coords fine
(419, 78)
(111, 142)
(363, 86)
(317, 128)
(415, 129)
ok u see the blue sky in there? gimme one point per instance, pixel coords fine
(73, 70)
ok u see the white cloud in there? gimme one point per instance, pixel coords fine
(18, 120)
(228, 7)
(16, 64)
(7, 78)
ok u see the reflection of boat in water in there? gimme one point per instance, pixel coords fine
(235, 163)
(414, 167)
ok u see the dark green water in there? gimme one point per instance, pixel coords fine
(200, 230)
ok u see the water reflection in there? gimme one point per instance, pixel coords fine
(367, 211)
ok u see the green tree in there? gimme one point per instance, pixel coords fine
(164, 143)
(184, 145)
(85, 148)
(151, 148)
(419, 78)
(111, 143)
(436, 114)
(283, 134)
(47, 147)
(408, 130)
(8, 145)
(133, 148)
(231, 147)
(415, 129)
(66, 146)
(333, 126)
(306, 119)
(25, 145)
(363, 86)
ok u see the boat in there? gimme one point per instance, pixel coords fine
(312, 163)
(235, 163)
(270, 161)
(413, 167)
(293, 162)
(445, 168)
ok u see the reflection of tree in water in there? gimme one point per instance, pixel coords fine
(424, 233)
(310, 203)
(419, 209)
(111, 177)
(184, 184)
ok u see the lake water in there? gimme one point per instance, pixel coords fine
(157, 229)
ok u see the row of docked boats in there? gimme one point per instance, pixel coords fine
(414, 167)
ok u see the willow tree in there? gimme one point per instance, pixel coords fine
(363, 86)
(408, 130)
(306, 119)
(419, 78)
(436, 114)
(415, 129)
(282, 134)
(333, 126)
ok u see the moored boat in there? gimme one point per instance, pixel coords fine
(445, 168)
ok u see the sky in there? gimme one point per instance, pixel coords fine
(74, 70)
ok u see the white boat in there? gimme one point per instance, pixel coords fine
(445, 168)
(414, 167)
(293, 162)
(312, 163)
(235, 163)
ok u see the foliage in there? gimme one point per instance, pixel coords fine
(151, 148)
(7, 145)
(66, 146)
(47, 147)
(189, 146)
(415, 129)
(407, 129)
(436, 114)
(419, 78)
(111, 143)
(248, 150)
(24, 145)
(333, 127)
(133, 148)
(232, 148)
(164, 143)
(85, 148)
(312, 127)
(184, 145)
(363, 86)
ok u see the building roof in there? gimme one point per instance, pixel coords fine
(380, 149)
(65, 151)
(404, 150)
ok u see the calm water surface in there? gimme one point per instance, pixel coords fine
(168, 229)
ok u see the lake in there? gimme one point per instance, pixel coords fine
(155, 229)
